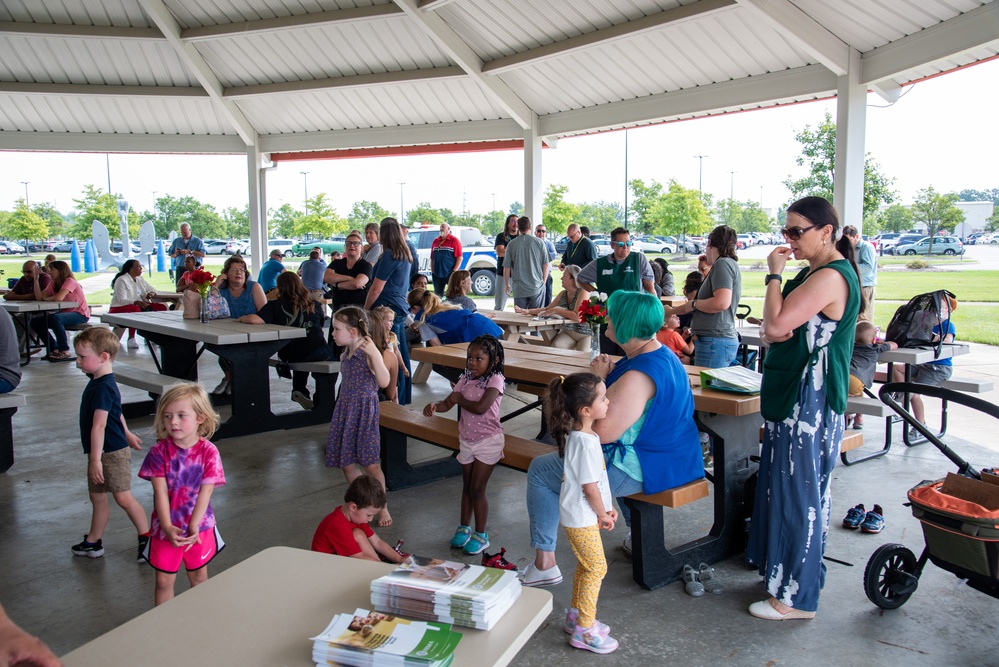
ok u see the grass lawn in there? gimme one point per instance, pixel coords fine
(903, 285)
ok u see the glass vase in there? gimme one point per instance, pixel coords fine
(203, 313)
(594, 341)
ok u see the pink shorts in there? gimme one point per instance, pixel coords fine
(165, 557)
(488, 451)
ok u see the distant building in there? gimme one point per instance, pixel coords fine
(976, 216)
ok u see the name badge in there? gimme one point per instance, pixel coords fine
(608, 272)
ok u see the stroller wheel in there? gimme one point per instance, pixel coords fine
(890, 577)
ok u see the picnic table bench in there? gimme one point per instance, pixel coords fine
(9, 403)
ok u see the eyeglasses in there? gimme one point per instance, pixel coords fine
(621, 244)
(541, 231)
(794, 233)
(353, 243)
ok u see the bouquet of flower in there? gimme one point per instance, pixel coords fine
(594, 311)
(203, 279)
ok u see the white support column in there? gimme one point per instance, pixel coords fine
(257, 209)
(851, 120)
(533, 197)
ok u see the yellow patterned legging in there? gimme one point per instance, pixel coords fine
(589, 550)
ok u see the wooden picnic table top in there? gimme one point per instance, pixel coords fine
(31, 306)
(903, 355)
(673, 300)
(538, 365)
(216, 332)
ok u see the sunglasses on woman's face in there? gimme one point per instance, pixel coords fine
(794, 233)
(621, 244)
(353, 244)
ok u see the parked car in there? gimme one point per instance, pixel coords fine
(941, 245)
(477, 255)
(133, 247)
(653, 245)
(692, 246)
(215, 246)
(284, 245)
(988, 239)
(903, 239)
(603, 247)
(303, 248)
(67, 246)
(743, 241)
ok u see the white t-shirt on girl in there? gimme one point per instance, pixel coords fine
(584, 464)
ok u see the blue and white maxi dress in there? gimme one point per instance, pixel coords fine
(787, 536)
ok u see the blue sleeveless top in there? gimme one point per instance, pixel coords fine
(668, 446)
(242, 305)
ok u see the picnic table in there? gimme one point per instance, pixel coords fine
(515, 324)
(263, 610)
(673, 301)
(733, 420)
(27, 309)
(248, 347)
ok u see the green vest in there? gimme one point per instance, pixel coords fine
(624, 276)
(785, 363)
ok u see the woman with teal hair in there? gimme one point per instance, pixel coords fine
(649, 438)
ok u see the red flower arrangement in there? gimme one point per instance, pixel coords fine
(594, 310)
(203, 279)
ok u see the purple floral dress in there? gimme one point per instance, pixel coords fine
(185, 470)
(354, 428)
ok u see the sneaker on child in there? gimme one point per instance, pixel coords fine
(143, 541)
(627, 544)
(874, 522)
(854, 517)
(133, 344)
(461, 536)
(590, 640)
(88, 549)
(572, 615)
(477, 543)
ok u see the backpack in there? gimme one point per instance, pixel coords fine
(912, 324)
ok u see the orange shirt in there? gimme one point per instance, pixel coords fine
(672, 339)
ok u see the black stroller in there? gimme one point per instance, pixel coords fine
(961, 537)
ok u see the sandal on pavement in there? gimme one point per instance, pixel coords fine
(706, 575)
(693, 587)
(765, 609)
(61, 356)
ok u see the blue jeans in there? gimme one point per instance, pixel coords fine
(405, 383)
(715, 352)
(544, 482)
(58, 323)
(5, 387)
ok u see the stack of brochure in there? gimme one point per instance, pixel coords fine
(432, 589)
(370, 639)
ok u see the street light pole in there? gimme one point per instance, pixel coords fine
(626, 179)
(305, 175)
(25, 184)
(731, 190)
(700, 195)
(402, 207)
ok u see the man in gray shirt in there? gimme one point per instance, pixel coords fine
(526, 263)
(867, 262)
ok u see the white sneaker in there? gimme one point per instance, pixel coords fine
(133, 344)
(221, 387)
(627, 544)
(532, 576)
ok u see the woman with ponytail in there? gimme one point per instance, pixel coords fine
(809, 325)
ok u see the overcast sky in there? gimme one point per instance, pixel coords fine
(942, 132)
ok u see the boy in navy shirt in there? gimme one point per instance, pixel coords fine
(106, 441)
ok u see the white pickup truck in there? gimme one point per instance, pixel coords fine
(477, 256)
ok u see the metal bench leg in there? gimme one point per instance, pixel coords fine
(400, 473)
(6, 439)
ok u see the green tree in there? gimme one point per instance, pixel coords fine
(680, 212)
(992, 224)
(492, 223)
(818, 153)
(556, 212)
(729, 212)
(95, 204)
(322, 220)
(237, 222)
(53, 218)
(895, 218)
(646, 197)
(23, 224)
(754, 219)
(172, 212)
(365, 212)
(936, 211)
(281, 223)
(601, 216)
(992, 195)
(428, 216)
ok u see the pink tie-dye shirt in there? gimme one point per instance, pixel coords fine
(185, 470)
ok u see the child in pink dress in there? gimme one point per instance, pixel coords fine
(480, 436)
(184, 468)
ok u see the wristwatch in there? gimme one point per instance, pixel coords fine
(773, 276)
(693, 305)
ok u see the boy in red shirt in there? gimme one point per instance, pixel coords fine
(670, 336)
(345, 530)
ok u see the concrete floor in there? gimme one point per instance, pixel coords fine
(278, 490)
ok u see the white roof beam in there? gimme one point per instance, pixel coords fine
(103, 142)
(433, 5)
(462, 55)
(85, 31)
(801, 82)
(97, 90)
(410, 135)
(969, 31)
(299, 21)
(804, 32)
(360, 81)
(682, 14)
(164, 20)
